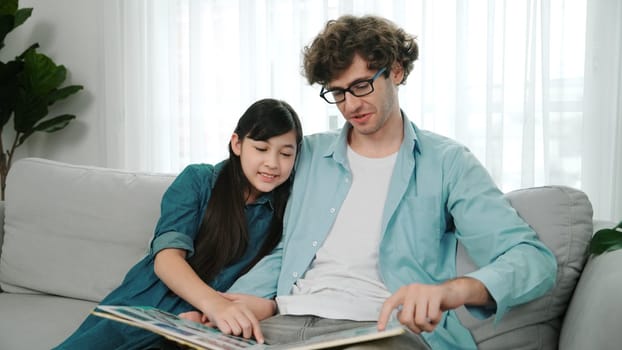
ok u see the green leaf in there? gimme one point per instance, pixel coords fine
(606, 240)
(29, 109)
(21, 16)
(8, 7)
(6, 26)
(30, 48)
(11, 17)
(63, 93)
(8, 89)
(49, 125)
(39, 84)
(41, 75)
(54, 124)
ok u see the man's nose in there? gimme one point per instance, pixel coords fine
(351, 102)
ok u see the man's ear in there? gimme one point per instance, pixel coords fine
(236, 144)
(397, 73)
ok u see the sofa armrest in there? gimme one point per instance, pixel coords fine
(592, 319)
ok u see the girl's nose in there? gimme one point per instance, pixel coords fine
(272, 161)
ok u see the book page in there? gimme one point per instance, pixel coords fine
(183, 331)
(350, 336)
(198, 336)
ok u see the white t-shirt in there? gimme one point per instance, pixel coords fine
(343, 281)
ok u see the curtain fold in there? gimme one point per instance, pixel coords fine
(601, 146)
(526, 85)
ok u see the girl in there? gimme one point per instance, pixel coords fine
(216, 222)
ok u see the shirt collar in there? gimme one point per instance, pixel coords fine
(265, 198)
(411, 141)
(338, 149)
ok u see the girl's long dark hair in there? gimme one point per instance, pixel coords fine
(223, 233)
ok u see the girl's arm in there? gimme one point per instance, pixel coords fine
(171, 267)
(262, 308)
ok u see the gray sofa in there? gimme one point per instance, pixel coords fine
(71, 232)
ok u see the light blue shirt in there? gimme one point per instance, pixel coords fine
(439, 194)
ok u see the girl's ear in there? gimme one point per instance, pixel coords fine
(236, 144)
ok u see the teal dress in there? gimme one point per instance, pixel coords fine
(182, 209)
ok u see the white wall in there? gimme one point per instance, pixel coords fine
(66, 31)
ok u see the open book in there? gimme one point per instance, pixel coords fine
(198, 336)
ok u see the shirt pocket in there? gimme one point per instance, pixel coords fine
(418, 230)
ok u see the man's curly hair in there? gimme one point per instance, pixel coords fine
(379, 41)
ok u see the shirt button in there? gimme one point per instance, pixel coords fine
(295, 274)
(314, 243)
(332, 210)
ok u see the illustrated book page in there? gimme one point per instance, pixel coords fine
(198, 336)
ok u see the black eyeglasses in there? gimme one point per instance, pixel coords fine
(359, 89)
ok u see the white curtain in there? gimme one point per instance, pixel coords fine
(532, 87)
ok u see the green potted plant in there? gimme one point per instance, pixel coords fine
(607, 239)
(29, 84)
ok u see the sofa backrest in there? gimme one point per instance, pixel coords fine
(562, 217)
(75, 230)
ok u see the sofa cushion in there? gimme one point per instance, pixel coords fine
(75, 230)
(562, 217)
(592, 320)
(39, 321)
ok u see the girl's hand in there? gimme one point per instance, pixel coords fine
(230, 317)
(261, 307)
(233, 318)
(195, 316)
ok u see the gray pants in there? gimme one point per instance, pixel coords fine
(282, 329)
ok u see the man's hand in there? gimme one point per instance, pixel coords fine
(421, 305)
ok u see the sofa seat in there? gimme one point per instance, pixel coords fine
(25, 319)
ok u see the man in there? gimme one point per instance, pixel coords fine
(377, 210)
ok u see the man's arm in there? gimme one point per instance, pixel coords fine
(514, 265)
(261, 281)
